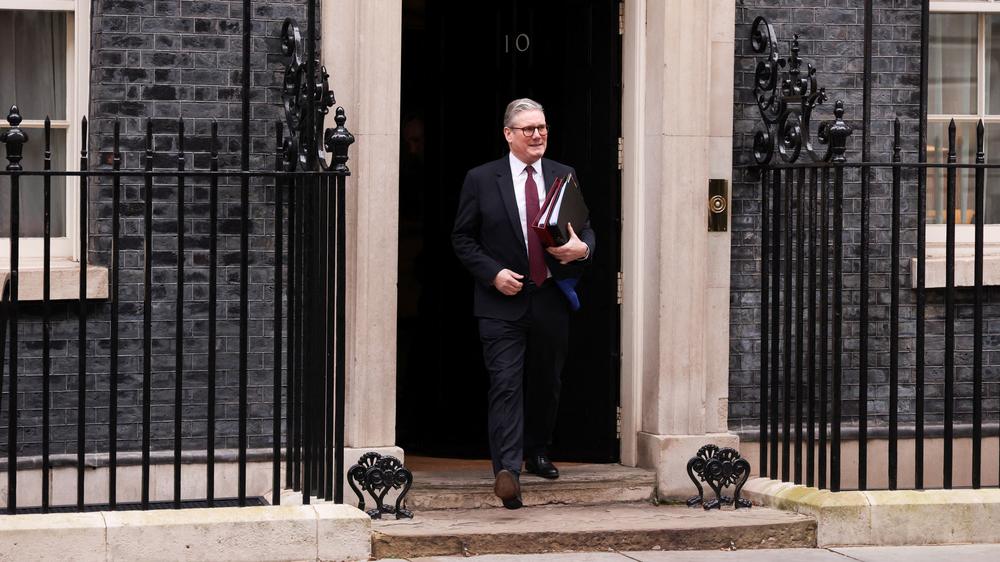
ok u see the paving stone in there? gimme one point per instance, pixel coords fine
(555, 557)
(964, 552)
(783, 555)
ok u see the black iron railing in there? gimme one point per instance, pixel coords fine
(310, 373)
(306, 283)
(815, 253)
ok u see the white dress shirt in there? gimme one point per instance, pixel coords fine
(520, 176)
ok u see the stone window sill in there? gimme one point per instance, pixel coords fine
(965, 260)
(65, 280)
(965, 271)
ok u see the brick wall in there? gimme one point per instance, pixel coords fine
(159, 61)
(832, 34)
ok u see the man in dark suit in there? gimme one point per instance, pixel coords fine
(523, 316)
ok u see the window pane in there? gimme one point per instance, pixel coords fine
(32, 191)
(992, 63)
(33, 63)
(952, 66)
(965, 179)
(992, 195)
(937, 151)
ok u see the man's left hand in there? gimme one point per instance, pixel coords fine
(572, 250)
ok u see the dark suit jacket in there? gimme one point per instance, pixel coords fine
(487, 236)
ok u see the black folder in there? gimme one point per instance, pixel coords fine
(568, 208)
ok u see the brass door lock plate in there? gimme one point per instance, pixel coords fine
(718, 206)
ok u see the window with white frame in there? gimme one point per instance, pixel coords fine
(44, 70)
(963, 84)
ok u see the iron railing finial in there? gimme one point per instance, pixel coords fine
(837, 133)
(337, 142)
(14, 138)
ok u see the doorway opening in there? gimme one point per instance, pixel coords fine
(461, 64)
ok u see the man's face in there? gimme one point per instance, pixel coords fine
(527, 149)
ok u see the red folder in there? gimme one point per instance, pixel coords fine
(540, 222)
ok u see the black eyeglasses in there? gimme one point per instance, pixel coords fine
(530, 131)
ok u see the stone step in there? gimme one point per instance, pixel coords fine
(618, 527)
(472, 487)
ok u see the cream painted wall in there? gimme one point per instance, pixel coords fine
(633, 172)
(363, 52)
(678, 113)
(678, 96)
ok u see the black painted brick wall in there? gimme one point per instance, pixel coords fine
(163, 60)
(832, 34)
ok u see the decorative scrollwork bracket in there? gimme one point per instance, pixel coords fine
(377, 474)
(720, 469)
(786, 105)
(307, 100)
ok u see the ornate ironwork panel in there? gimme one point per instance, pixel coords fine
(307, 100)
(786, 105)
(720, 469)
(377, 474)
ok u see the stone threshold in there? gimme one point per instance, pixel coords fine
(472, 486)
(311, 532)
(617, 527)
(887, 517)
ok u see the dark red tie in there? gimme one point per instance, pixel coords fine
(536, 260)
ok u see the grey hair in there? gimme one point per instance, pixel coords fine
(517, 106)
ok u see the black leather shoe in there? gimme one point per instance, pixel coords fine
(542, 466)
(508, 489)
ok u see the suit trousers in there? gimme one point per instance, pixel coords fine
(524, 359)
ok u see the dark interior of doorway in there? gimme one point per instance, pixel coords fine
(461, 63)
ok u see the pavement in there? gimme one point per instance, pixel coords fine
(965, 553)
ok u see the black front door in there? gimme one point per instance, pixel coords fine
(462, 63)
